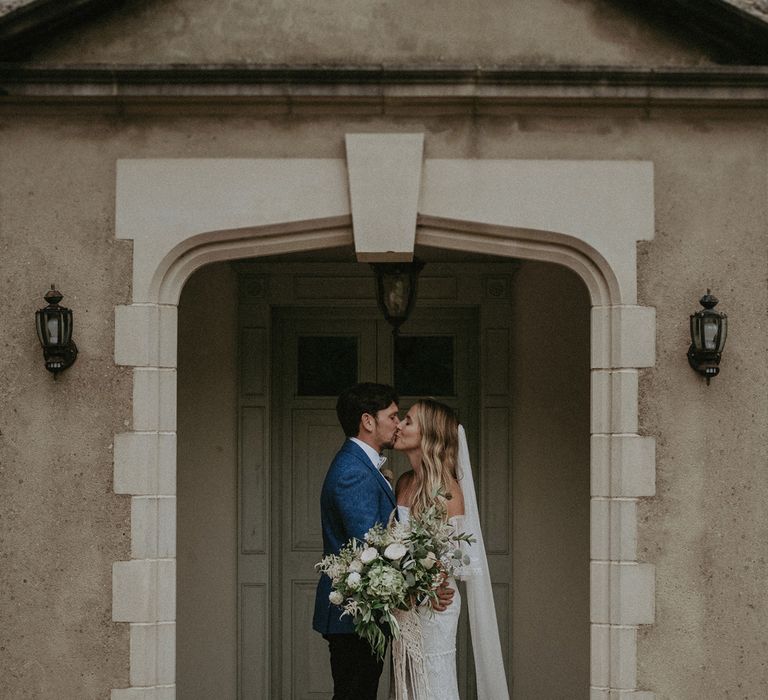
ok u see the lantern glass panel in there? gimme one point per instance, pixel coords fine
(40, 324)
(696, 332)
(53, 325)
(66, 326)
(711, 327)
(723, 334)
(397, 290)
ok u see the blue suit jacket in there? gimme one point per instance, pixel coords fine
(354, 498)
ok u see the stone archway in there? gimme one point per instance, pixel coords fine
(586, 215)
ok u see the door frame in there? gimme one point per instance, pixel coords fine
(178, 223)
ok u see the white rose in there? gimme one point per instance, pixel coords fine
(368, 555)
(336, 598)
(355, 565)
(429, 561)
(395, 551)
(353, 580)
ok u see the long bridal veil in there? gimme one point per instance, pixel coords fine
(489, 665)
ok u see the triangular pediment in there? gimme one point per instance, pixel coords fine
(485, 33)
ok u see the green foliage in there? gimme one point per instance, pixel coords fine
(396, 567)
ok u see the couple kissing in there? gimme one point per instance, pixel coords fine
(356, 496)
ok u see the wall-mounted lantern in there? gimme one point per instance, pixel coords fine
(54, 330)
(396, 290)
(709, 329)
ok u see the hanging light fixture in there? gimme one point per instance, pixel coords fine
(709, 329)
(396, 290)
(54, 330)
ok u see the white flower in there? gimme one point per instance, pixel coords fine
(368, 555)
(336, 598)
(395, 551)
(429, 561)
(353, 580)
(355, 565)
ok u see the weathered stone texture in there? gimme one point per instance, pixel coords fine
(370, 32)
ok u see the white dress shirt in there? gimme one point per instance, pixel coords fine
(376, 459)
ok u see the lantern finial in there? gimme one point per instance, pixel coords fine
(53, 295)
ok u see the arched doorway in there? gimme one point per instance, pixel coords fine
(621, 340)
(248, 512)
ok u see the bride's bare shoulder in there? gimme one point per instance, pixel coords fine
(404, 482)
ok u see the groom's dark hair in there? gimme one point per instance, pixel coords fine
(365, 397)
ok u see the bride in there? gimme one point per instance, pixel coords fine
(436, 447)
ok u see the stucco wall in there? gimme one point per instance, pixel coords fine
(705, 530)
(707, 527)
(61, 525)
(486, 32)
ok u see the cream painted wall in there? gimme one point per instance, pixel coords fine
(206, 487)
(551, 483)
(343, 32)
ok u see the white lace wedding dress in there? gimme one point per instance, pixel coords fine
(439, 630)
(439, 635)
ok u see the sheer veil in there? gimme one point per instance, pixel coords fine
(489, 665)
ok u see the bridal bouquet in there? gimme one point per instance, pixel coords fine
(393, 569)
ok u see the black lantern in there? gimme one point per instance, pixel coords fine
(396, 290)
(54, 329)
(708, 331)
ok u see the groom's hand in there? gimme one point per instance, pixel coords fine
(444, 597)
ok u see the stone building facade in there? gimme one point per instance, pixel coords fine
(206, 181)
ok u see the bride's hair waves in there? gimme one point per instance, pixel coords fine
(439, 429)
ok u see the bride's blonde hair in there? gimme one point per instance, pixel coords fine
(439, 451)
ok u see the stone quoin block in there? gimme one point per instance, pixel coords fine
(145, 335)
(144, 590)
(145, 463)
(600, 649)
(623, 466)
(152, 651)
(623, 337)
(153, 527)
(613, 531)
(622, 593)
(614, 401)
(154, 399)
(623, 657)
(134, 591)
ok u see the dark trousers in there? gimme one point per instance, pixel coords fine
(354, 667)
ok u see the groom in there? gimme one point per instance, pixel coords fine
(355, 496)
